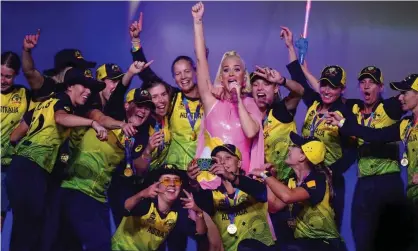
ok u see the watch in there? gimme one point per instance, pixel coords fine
(264, 175)
(341, 123)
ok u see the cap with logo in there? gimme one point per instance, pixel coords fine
(85, 78)
(109, 71)
(69, 58)
(409, 83)
(312, 147)
(334, 75)
(140, 97)
(231, 149)
(371, 72)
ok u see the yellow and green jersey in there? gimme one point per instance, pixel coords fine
(94, 161)
(159, 155)
(14, 103)
(145, 228)
(249, 216)
(406, 131)
(277, 127)
(315, 125)
(44, 137)
(184, 120)
(377, 159)
(314, 217)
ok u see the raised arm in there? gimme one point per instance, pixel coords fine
(137, 51)
(203, 78)
(33, 76)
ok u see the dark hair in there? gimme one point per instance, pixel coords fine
(321, 168)
(11, 60)
(187, 58)
(155, 82)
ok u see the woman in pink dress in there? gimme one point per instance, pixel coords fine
(236, 119)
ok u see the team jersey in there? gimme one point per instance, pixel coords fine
(248, 207)
(14, 104)
(44, 137)
(406, 131)
(377, 159)
(94, 161)
(145, 228)
(159, 155)
(277, 127)
(315, 217)
(185, 113)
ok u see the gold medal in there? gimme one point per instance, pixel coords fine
(232, 229)
(194, 136)
(128, 172)
(404, 161)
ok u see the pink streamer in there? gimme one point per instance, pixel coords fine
(308, 10)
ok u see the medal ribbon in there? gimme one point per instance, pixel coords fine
(192, 119)
(363, 119)
(129, 143)
(316, 124)
(160, 126)
(407, 132)
(231, 216)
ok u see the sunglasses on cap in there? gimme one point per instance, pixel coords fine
(167, 182)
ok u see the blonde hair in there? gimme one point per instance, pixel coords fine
(247, 88)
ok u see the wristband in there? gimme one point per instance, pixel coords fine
(341, 123)
(264, 175)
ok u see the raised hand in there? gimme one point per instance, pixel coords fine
(286, 35)
(193, 170)
(129, 129)
(189, 202)
(270, 74)
(137, 66)
(198, 10)
(101, 132)
(155, 140)
(152, 191)
(220, 171)
(30, 41)
(136, 27)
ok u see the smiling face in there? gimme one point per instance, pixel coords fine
(7, 77)
(370, 90)
(263, 93)
(184, 75)
(110, 88)
(137, 114)
(329, 93)
(409, 100)
(232, 71)
(161, 99)
(170, 184)
(231, 163)
(81, 94)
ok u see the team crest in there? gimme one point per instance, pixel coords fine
(16, 98)
(371, 69)
(144, 93)
(78, 55)
(116, 68)
(332, 72)
(64, 158)
(88, 74)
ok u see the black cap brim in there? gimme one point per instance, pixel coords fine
(118, 76)
(297, 139)
(328, 81)
(147, 103)
(155, 175)
(368, 75)
(80, 64)
(94, 85)
(400, 86)
(222, 148)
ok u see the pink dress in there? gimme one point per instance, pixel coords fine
(221, 125)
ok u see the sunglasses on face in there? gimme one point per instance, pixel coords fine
(167, 182)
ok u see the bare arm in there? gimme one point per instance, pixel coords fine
(249, 126)
(313, 81)
(33, 76)
(274, 203)
(203, 78)
(19, 132)
(285, 194)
